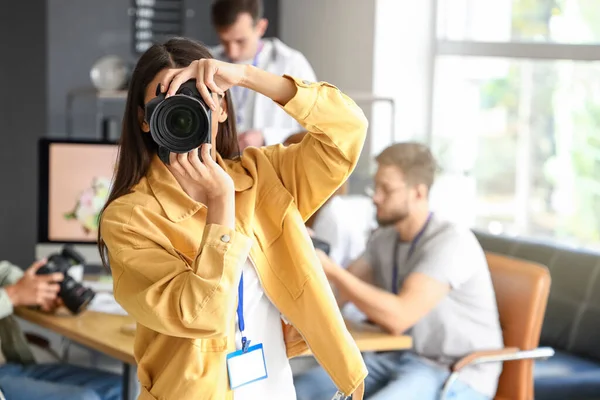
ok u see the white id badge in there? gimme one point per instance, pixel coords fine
(246, 367)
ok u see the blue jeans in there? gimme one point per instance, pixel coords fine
(58, 382)
(391, 376)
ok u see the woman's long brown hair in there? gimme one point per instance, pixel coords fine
(136, 147)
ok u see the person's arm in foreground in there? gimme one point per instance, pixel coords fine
(20, 288)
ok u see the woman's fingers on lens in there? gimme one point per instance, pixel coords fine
(165, 83)
(206, 95)
(206, 157)
(209, 81)
(200, 84)
(174, 163)
(196, 163)
(179, 79)
(188, 169)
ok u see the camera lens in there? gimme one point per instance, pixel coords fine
(182, 122)
(75, 296)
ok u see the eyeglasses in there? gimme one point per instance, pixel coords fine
(372, 190)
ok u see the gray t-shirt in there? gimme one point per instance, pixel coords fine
(464, 321)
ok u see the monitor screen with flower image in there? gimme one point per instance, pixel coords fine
(75, 179)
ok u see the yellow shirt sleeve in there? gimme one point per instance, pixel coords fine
(313, 169)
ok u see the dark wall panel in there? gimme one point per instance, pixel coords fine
(82, 31)
(22, 122)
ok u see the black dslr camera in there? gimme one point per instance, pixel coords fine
(180, 123)
(75, 296)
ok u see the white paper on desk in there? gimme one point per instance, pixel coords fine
(99, 286)
(106, 303)
(352, 313)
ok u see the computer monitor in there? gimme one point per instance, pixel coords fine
(74, 182)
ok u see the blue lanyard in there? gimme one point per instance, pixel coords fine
(241, 101)
(413, 244)
(240, 313)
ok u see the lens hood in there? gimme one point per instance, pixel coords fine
(179, 123)
(164, 129)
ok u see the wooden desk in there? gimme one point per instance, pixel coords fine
(371, 338)
(98, 331)
(102, 332)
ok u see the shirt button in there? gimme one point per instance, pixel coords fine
(307, 82)
(225, 238)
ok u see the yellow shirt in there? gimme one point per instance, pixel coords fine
(178, 276)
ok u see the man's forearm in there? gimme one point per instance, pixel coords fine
(381, 307)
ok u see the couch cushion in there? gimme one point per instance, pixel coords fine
(558, 322)
(566, 376)
(536, 252)
(585, 339)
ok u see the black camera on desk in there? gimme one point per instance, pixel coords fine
(321, 245)
(74, 295)
(180, 123)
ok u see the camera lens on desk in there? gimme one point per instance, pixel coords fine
(75, 296)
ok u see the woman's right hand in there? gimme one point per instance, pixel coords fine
(213, 180)
(210, 74)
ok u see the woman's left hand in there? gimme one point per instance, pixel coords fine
(211, 76)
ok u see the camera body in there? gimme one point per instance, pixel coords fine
(179, 123)
(321, 245)
(74, 295)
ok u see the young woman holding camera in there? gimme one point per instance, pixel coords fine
(209, 252)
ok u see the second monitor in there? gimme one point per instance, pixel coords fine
(74, 182)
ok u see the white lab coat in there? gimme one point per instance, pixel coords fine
(265, 115)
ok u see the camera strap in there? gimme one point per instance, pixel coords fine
(413, 244)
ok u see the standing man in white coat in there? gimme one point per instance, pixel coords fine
(241, 26)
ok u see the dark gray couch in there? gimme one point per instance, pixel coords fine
(572, 322)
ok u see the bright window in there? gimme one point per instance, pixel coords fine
(516, 109)
(560, 21)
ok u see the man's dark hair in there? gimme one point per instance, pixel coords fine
(225, 12)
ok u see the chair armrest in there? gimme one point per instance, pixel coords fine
(506, 354)
(501, 355)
